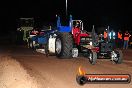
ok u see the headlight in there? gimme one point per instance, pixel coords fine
(91, 43)
(82, 39)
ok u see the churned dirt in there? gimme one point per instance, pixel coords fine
(21, 67)
(13, 75)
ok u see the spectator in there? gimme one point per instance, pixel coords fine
(105, 35)
(126, 39)
(119, 39)
(112, 38)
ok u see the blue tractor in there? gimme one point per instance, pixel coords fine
(65, 41)
(57, 41)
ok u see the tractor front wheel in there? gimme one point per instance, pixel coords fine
(92, 57)
(117, 56)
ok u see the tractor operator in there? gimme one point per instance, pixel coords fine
(76, 30)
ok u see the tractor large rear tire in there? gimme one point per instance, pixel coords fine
(64, 45)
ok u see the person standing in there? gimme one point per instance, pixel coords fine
(119, 39)
(105, 35)
(112, 38)
(126, 39)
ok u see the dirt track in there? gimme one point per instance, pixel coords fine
(61, 73)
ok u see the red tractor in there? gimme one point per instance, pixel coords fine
(83, 41)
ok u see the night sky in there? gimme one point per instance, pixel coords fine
(115, 13)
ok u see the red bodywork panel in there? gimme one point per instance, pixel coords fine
(77, 35)
(95, 49)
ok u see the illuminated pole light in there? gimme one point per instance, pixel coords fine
(66, 7)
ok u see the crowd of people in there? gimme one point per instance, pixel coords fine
(122, 39)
